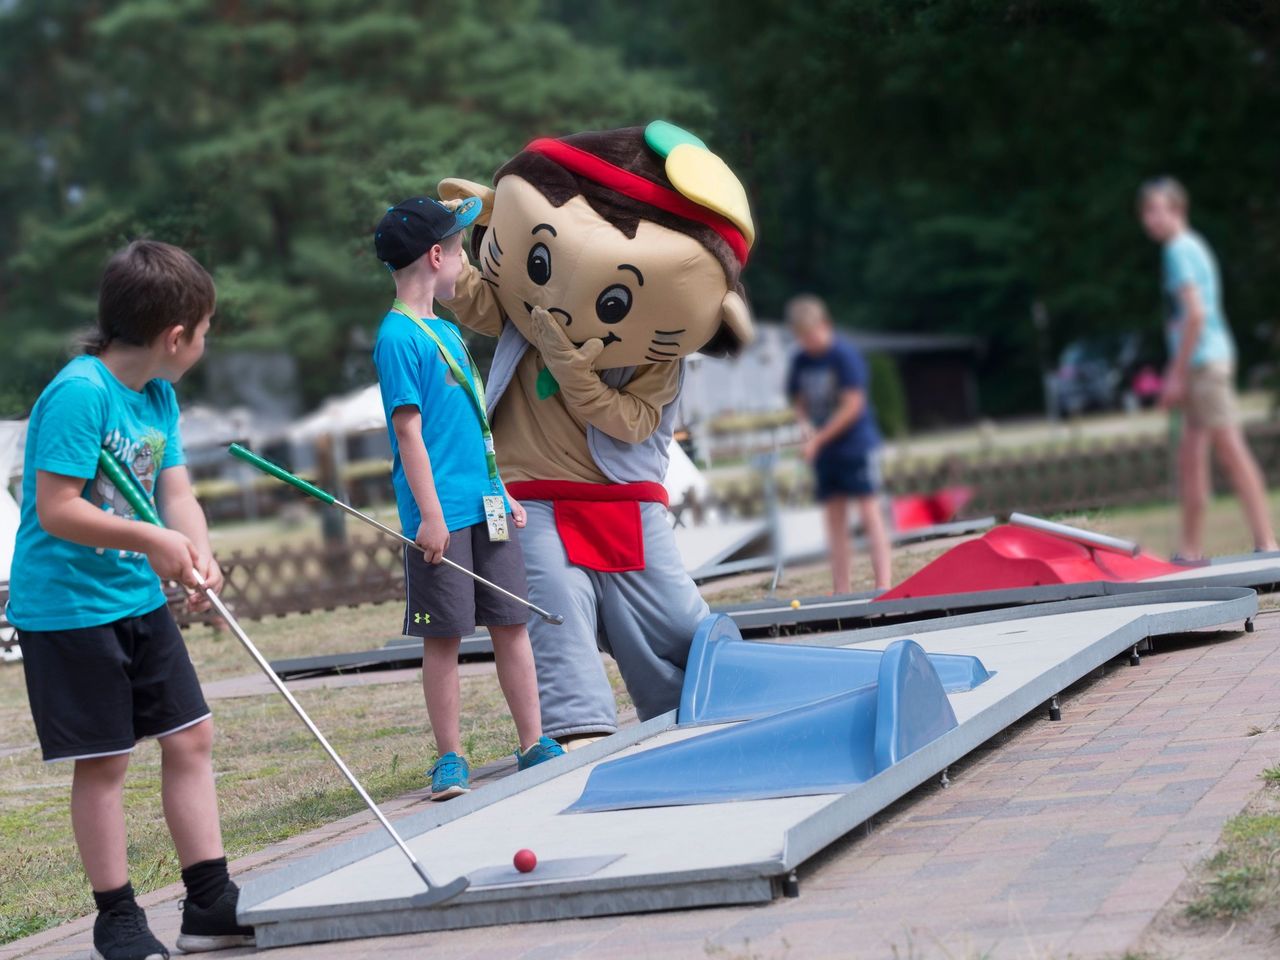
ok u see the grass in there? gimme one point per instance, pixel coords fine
(274, 782)
(1243, 875)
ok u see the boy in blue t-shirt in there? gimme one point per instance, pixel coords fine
(828, 386)
(105, 663)
(451, 500)
(1199, 381)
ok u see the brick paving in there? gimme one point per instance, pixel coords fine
(1055, 840)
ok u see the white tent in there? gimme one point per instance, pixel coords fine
(204, 427)
(12, 433)
(356, 412)
(683, 476)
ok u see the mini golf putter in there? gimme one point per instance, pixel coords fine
(325, 497)
(146, 511)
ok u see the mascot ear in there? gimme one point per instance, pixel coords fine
(736, 316)
(736, 329)
(453, 188)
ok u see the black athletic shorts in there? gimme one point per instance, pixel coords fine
(97, 691)
(443, 602)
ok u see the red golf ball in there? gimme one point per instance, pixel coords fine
(525, 861)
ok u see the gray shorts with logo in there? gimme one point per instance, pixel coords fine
(443, 602)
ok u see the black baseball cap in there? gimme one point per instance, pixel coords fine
(412, 227)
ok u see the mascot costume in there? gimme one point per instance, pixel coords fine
(605, 258)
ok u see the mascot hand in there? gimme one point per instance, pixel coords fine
(570, 365)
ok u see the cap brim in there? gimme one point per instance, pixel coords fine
(464, 215)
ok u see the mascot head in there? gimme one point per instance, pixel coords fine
(635, 236)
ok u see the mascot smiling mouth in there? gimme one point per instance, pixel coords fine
(607, 339)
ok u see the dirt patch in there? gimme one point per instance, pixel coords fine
(1229, 905)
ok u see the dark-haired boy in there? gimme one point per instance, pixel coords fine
(105, 663)
(451, 500)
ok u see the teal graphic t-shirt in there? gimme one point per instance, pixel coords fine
(60, 585)
(411, 373)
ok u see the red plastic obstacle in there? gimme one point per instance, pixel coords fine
(914, 511)
(1009, 556)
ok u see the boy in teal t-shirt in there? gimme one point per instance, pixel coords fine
(452, 502)
(1199, 381)
(65, 585)
(105, 663)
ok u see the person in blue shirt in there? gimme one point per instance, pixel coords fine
(452, 502)
(828, 387)
(105, 663)
(1199, 382)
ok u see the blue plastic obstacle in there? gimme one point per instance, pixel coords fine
(728, 678)
(827, 745)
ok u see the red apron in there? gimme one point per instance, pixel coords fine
(599, 523)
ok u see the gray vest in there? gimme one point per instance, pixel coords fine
(620, 462)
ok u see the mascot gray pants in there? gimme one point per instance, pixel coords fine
(644, 619)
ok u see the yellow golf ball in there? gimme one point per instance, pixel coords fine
(795, 604)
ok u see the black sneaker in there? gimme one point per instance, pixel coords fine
(121, 933)
(213, 927)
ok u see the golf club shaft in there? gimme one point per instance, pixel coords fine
(279, 684)
(1085, 537)
(324, 496)
(146, 512)
(377, 524)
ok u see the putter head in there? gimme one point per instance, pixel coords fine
(440, 893)
(554, 619)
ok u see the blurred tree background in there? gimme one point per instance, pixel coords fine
(928, 165)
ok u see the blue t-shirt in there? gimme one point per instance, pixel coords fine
(819, 382)
(1188, 260)
(412, 373)
(60, 585)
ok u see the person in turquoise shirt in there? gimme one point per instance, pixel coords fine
(451, 500)
(105, 663)
(1199, 382)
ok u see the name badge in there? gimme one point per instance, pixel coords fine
(495, 517)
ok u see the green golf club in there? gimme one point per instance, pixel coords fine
(129, 488)
(324, 496)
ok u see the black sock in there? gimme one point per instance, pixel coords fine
(206, 880)
(110, 898)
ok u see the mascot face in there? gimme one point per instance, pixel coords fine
(652, 284)
(651, 298)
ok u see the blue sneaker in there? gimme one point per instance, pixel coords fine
(450, 777)
(545, 749)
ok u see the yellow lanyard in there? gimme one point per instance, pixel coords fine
(472, 385)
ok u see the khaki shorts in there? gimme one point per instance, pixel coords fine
(1211, 396)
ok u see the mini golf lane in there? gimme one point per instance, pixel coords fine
(635, 860)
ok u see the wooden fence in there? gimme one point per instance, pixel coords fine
(1123, 472)
(1115, 473)
(302, 578)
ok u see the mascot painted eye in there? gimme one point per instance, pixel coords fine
(540, 264)
(613, 304)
